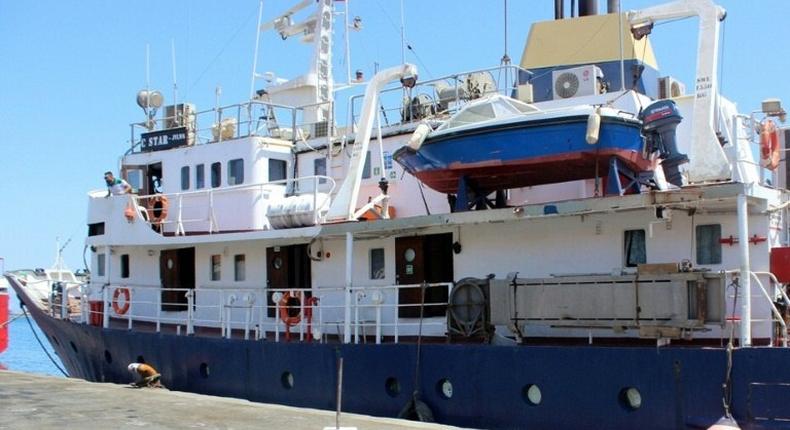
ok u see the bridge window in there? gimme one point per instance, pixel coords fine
(185, 178)
(319, 169)
(635, 252)
(125, 266)
(238, 267)
(236, 171)
(200, 176)
(100, 264)
(366, 168)
(708, 244)
(377, 263)
(216, 175)
(277, 170)
(216, 267)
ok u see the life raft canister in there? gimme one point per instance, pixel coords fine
(121, 310)
(769, 145)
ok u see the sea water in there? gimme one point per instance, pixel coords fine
(24, 354)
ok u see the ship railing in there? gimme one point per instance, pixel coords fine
(240, 120)
(61, 298)
(189, 202)
(776, 315)
(444, 95)
(255, 312)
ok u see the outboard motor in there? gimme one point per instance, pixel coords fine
(659, 123)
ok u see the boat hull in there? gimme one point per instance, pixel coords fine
(581, 386)
(524, 154)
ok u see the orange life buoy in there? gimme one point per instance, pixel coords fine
(157, 209)
(121, 310)
(284, 306)
(769, 145)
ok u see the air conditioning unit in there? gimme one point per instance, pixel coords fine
(576, 82)
(669, 87)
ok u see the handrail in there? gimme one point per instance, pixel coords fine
(774, 310)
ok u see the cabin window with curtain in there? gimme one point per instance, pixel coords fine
(236, 171)
(319, 169)
(634, 251)
(185, 178)
(366, 168)
(238, 267)
(277, 170)
(100, 264)
(200, 176)
(377, 263)
(216, 267)
(216, 175)
(708, 244)
(125, 266)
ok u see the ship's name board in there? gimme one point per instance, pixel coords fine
(163, 139)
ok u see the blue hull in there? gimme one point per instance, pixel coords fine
(523, 154)
(580, 385)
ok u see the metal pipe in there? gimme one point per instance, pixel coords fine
(349, 275)
(588, 7)
(745, 278)
(559, 9)
(612, 6)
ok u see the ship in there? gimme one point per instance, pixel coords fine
(263, 243)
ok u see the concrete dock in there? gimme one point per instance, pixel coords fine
(41, 402)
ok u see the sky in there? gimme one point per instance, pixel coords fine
(71, 70)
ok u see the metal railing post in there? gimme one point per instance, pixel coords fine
(190, 312)
(349, 284)
(131, 308)
(64, 301)
(105, 306)
(378, 323)
(745, 279)
(159, 312)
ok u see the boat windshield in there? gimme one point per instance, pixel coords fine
(491, 108)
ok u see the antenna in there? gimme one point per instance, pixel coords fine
(348, 49)
(402, 35)
(255, 55)
(173, 60)
(147, 75)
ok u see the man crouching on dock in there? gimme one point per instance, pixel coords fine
(147, 376)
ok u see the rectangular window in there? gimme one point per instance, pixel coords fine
(238, 267)
(200, 176)
(277, 170)
(96, 229)
(236, 171)
(125, 266)
(185, 178)
(635, 253)
(135, 179)
(100, 263)
(708, 244)
(319, 169)
(216, 267)
(377, 263)
(216, 175)
(366, 168)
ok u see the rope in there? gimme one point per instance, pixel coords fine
(727, 386)
(11, 320)
(24, 312)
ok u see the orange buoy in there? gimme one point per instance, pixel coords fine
(769, 145)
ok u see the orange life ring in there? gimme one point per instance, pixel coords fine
(157, 209)
(121, 310)
(769, 145)
(283, 306)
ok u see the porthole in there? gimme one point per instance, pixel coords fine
(631, 398)
(140, 359)
(409, 255)
(287, 379)
(445, 388)
(392, 386)
(74, 347)
(169, 263)
(204, 370)
(107, 357)
(277, 263)
(531, 394)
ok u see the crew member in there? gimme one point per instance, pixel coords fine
(147, 376)
(116, 186)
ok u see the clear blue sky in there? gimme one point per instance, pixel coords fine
(71, 69)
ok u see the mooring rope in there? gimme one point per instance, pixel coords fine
(24, 312)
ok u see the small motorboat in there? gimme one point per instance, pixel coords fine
(499, 143)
